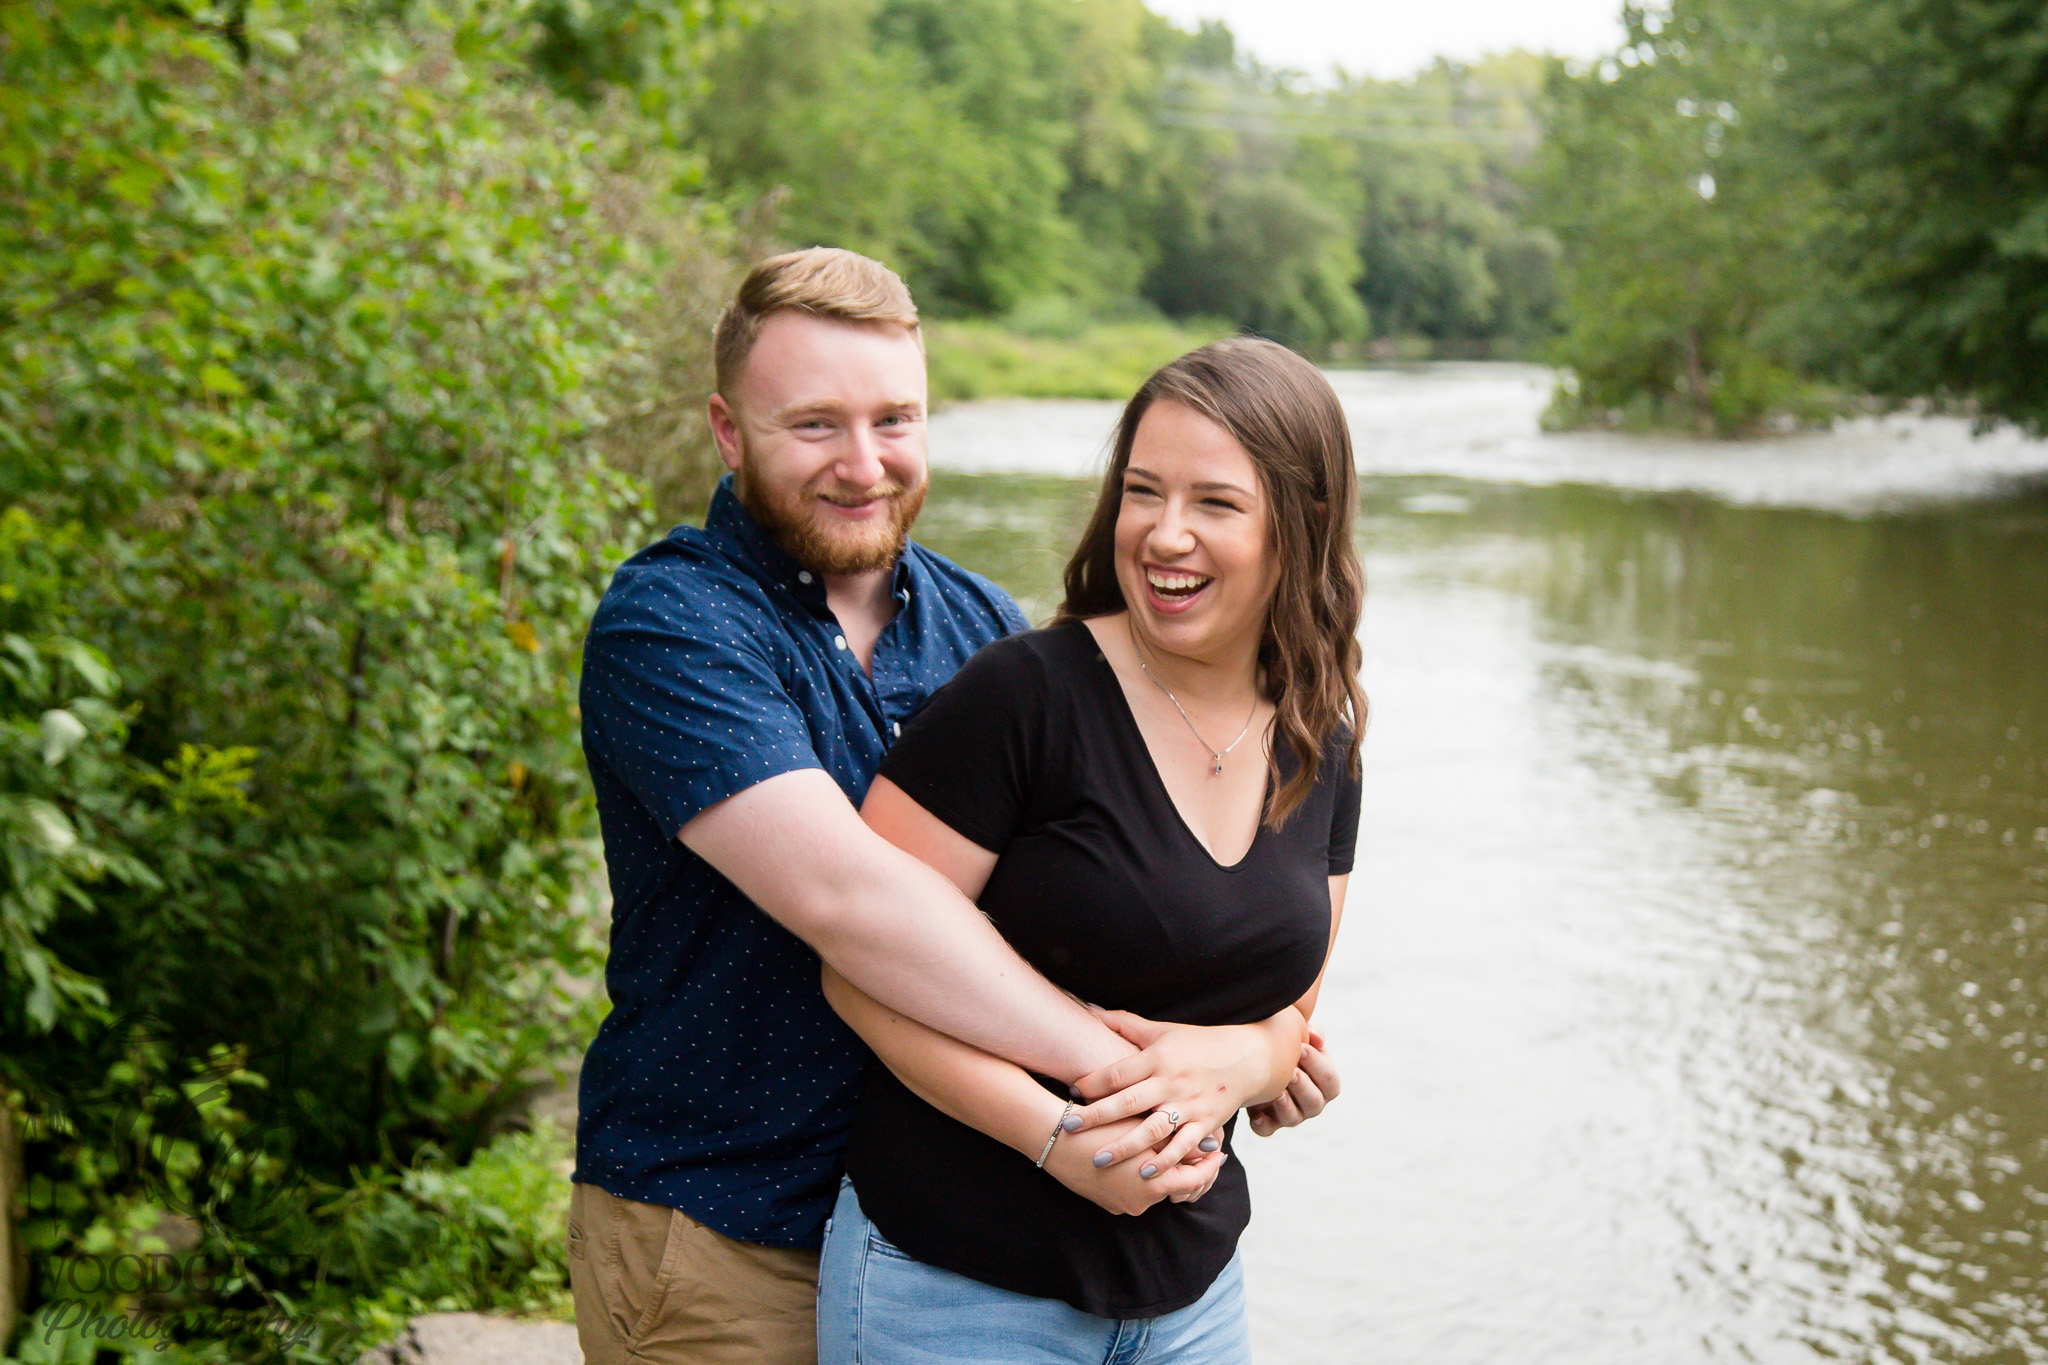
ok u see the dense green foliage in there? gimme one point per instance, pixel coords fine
(1762, 198)
(1005, 153)
(1928, 121)
(317, 344)
(1446, 244)
(1665, 173)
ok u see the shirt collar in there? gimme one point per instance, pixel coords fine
(729, 520)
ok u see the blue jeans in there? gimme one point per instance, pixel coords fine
(880, 1306)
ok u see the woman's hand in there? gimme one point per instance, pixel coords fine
(1122, 1187)
(1205, 1075)
(1314, 1085)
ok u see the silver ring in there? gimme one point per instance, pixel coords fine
(1173, 1117)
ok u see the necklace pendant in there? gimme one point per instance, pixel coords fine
(1217, 771)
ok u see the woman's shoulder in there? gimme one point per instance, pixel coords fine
(1336, 752)
(1043, 658)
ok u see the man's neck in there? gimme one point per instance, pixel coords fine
(864, 605)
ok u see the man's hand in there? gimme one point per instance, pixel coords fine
(1314, 1085)
(1204, 1075)
(1121, 1187)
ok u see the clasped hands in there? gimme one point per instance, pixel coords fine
(1124, 1153)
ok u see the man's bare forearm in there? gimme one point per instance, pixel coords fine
(915, 944)
(892, 926)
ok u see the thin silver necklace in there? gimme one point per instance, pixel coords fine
(1215, 754)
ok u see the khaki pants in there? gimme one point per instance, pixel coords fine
(653, 1286)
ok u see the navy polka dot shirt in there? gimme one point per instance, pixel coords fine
(721, 1083)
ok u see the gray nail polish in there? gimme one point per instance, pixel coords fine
(1146, 1172)
(1208, 1144)
(1072, 1123)
(1103, 1159)
(1073, 1092)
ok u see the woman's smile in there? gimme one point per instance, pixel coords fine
(1174, 591)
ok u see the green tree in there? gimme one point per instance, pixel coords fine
(930, 136)
(1445, 250)
(1256, 202)
(1686, 216)
(1929, 121)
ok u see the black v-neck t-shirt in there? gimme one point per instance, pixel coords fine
(1031, 751)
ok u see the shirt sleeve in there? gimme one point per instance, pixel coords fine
(972, 755)
(684, 704)
(1344, 817)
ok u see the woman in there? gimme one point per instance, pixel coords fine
(1155, 800)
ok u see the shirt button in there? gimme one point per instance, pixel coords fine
(897, 729)
(803, 576)
(839, 642)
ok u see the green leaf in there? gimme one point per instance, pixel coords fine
(62, 732)
(402, 1054)
(217, 378)
(51, 827)
(135, 184)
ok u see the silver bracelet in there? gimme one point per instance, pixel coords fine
(1057, 1129)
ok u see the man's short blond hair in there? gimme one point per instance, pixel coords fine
(825, 282)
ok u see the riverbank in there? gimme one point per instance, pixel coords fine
(1058, 357)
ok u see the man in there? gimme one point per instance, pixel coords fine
(740, 685)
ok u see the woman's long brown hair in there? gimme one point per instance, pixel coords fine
(1285, 415)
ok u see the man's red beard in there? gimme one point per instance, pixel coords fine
(799, 527)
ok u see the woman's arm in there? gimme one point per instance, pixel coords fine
(984, 1092)
(1338, 886)
(994, 1097)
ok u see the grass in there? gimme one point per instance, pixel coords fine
(1019, 357)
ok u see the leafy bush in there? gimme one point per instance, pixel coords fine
(437, 1237)
(325, 343)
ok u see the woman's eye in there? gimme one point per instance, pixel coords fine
(1139, 491)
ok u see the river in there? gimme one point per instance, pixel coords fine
(1690, 999)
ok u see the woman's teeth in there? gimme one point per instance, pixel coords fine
(1176, 585)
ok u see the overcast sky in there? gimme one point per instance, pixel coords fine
(1393, 38)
